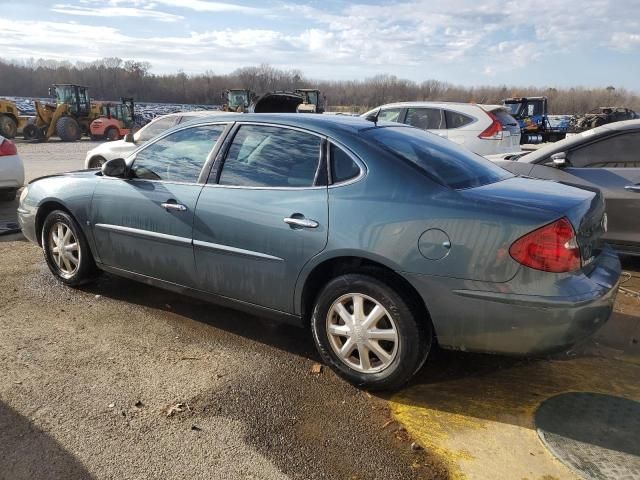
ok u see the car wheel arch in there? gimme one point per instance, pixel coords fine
(323, 272)
(44, 209)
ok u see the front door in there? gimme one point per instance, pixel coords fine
(264, 218)
(144, 224)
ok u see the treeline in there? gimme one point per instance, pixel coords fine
(111, 78)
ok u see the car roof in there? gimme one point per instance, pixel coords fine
(580, 138)
(323, 124)
(430, 104)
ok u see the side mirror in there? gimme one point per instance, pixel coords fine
(129, 138)
(116, 167)
(559, 160)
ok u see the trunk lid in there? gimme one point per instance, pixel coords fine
(584, 208)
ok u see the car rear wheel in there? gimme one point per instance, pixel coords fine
(66, 250)
(368, 333)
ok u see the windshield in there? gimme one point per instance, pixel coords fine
(514, 108)
(312, 97)
(440, 159)
(237, 99)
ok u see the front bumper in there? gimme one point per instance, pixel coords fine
(500, 321)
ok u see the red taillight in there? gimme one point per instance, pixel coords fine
(552, 248)
(7, 147)
(493, 131)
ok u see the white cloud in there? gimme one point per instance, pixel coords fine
(115, 12)
(484, 38)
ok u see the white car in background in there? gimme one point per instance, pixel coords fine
(483, 129)
(122, 148)
(11, 170)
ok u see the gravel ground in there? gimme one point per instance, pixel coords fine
(90, 374)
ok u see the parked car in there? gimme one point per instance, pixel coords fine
(604, 158)
(380, 239)
(11, 170)
(97, 156)
(483, 129)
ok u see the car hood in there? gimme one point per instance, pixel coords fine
(75, 173)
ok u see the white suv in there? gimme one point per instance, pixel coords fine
(483, 129)
(121, 148)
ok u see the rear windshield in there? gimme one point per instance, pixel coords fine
(440, 159)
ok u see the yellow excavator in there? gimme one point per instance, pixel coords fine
(10, 119)
(69, 118)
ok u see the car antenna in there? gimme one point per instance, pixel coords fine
(373, 116)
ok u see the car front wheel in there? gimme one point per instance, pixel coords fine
(368, 333)
(66, 250)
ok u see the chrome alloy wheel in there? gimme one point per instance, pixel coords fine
(362, 333)
(64, 248)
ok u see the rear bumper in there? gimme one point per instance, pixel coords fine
(520, 324)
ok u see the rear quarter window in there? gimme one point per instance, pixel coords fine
(439, 159)
(457, 119)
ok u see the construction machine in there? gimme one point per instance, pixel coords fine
(237, 100)
(116, 120)
(10, 119)
(311, 101)
(69, 118)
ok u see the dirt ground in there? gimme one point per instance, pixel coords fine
(121, 380)
(90, 376)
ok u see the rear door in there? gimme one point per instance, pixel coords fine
(144, 224)
(611, 164)
(430, 119)
(262, 215)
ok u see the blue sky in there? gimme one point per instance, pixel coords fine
(468, 42)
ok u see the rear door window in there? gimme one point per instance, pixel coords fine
(425, 118)
(266, 156)
(456, 119)
(439, 159)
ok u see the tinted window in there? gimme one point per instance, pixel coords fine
(155, 127)
(343, 168)
(425, 118)
(440, 159)
(178, 157)
(262, 156)
(618, 151)
(456, 119)
(390, 115)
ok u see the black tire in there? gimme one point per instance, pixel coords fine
(85, 270)
(97, 162)
(112, 134)
(8, 195)
(414, 334)
(68, 129)
(30, 132)
(8, 127)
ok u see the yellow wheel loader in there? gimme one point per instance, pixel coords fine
(68, 119)
(10, 119)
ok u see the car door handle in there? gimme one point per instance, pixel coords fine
(301, 222)
(633, 188)
(173, 206)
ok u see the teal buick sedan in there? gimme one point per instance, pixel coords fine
(379, 238)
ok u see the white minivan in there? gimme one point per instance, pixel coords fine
(483, 129)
